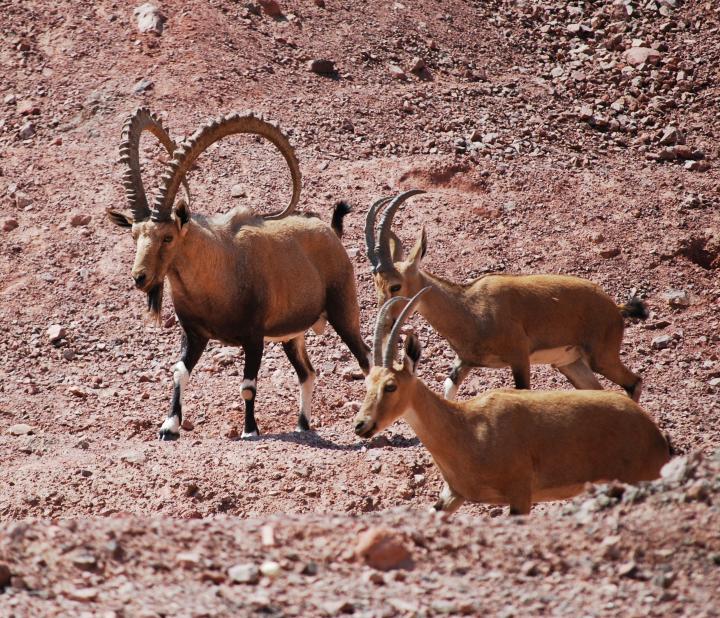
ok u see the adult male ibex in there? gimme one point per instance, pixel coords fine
(507, 320)
(508, 446)
(238, 277)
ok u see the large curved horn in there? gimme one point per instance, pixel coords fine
(389, 355)
(142, 119)
(210, 133)
(370, 229)
(381, 327)
(382, 246)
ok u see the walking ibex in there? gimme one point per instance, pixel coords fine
(238, 277)
(508, 446)
(507, 320)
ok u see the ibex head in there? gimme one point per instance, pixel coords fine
(389, 387)
(159, 230)
(393, 274)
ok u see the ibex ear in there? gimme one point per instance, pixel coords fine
(412, 353)
(417, 253)
(119, 218)
(396, 248)
(182, 214)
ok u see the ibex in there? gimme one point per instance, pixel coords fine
(508, 446)
(238, 277)
(507, 320)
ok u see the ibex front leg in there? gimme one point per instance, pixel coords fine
(191, 350)
(253, 358)
(459, 372)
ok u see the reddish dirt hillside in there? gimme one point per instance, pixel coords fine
(550, 137)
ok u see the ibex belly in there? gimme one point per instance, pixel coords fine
(557, 357)
(318, 328)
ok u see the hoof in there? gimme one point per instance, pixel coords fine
(302, 424)
(168, 436)
(246, 435)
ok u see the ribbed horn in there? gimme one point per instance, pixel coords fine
(188, 152)
(389, 355)
(370, 229)
(142, 119)
(381, 327)
(382, 245)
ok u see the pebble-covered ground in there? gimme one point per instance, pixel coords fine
(555, 137)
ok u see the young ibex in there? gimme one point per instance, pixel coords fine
(508, 446)
(239, 278)
(507, 320)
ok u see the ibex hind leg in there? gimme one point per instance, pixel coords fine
(610, 365)
(580, 375)
(192, 348)
(345, 319)
(297, 354)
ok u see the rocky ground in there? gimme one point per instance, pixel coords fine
(551, 137)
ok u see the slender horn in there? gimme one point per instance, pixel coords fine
(210, 133)
(382, 246)
(141, 120)
(370, 228)
(395, 332)
(381, 327)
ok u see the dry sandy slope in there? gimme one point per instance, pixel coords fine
(546, 194)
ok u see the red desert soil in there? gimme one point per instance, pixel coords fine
(550, 136)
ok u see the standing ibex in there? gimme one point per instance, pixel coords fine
(238, 277)
(507, 320)
(507, 446)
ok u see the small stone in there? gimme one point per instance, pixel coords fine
(383, 549)
(671, 136)
(149, 18)
(85, 561)
(142, 86)
(26, 131)
(477, 136)
(418, 65)
(237, 191)
(609, 253)
(22, 200)
(596, 238)
(82, 595)
(244, 574)
(55, 333)
(627, 569)
(697, 166)
(661, 342)
(309, 568)
(21, 429)
(231, 432)
(68, 354)
(187, 424)
(333, 608)
(271, 8)
(5, 575)
(10, 99)
(79, 220)
(676, 298)
(636, 56)
(9, 225)
(270, 568)
(27, 108)
(396, 72)
(675, 470)
(321, 66)
(698, 491)
(319, 3)
(267, 536)
(188, 559)
(666, 154)
(529, 568)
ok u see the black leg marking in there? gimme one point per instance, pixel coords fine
(253, 358)
(191, 349)
(299, 359)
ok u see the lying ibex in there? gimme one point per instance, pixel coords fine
(240, 278)
(507, 446)
(507, 320)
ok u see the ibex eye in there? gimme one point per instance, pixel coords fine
(168, 239)
(390, 387)
(395, 288)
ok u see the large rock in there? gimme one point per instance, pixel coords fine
(321, 66)
(149, 18)
(636, 56)
(383, 549)
(244, 573)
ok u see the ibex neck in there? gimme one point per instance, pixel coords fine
(438, 423)
(444, 308)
